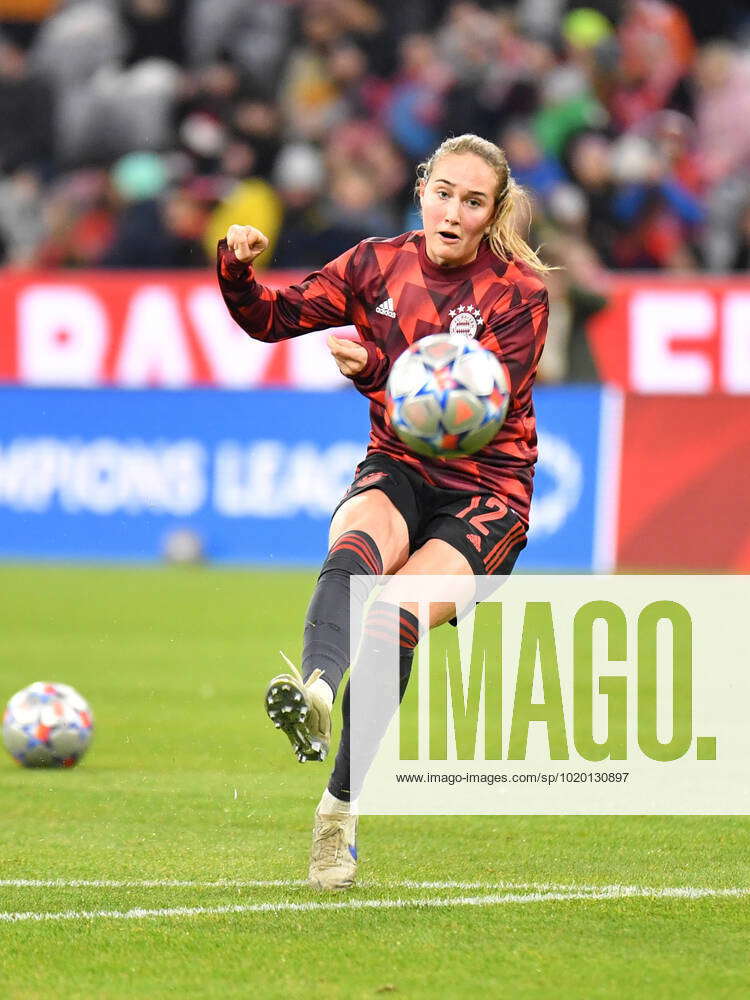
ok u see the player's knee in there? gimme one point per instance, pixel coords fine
(373, 513)
(354, 552)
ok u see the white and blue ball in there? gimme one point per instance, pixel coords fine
(47, 725)
(447, 396)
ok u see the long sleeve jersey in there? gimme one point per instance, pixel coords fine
(394, 295)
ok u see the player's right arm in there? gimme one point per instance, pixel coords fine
(322, 300)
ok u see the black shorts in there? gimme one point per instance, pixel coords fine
(480, 526)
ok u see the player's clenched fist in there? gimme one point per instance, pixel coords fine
(349, 356)
(247, 242)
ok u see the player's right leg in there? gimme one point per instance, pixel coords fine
(368, 537)
(333, 858)
(333, 862)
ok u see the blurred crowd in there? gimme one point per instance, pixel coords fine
(133, 132)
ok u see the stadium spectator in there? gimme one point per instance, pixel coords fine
(590, 163)
(658, 217)
(656, 51)
(367, 147)
(539, 173)
(360, 95)
(142, 236)
(578, 289)
(722, 106)
(673, 136)
(722, 117)
(309, 95)
(413, 114)
(299, 177)
(21, 217)
(254, 37)
(203, 111)
(80, 214)
(26, 113)
(568, 106)
(354, 207)
(257, 123)
(184, 218)
(76, 41)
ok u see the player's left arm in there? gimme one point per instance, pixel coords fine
(515, 334)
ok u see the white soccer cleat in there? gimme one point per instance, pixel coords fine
(300, 712)
(333, 860)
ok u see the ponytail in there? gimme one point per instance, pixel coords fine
(505, 239)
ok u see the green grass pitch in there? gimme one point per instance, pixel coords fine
(187, 781)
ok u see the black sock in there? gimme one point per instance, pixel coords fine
(379, 630)
(326, 637)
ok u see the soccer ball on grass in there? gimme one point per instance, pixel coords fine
(47, 725)
(447, 396)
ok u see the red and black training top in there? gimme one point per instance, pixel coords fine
(394, 295)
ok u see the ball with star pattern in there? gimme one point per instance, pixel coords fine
(447, 396)
(47, 725)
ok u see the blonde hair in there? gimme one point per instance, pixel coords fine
(511, 200)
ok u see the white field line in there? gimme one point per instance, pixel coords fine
(82, 883)
(59, 883)
(608, 893)
(79, 883)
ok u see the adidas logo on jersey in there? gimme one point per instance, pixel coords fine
(386, 309)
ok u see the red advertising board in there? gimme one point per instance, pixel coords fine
(675, 335)
(657, 335)
(143, 329)
(685, 484)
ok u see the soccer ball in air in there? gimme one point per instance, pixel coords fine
(47, 725)
(447, 396)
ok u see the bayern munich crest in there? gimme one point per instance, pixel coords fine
(465, 321)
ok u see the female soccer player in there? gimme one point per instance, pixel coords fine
(467, 272)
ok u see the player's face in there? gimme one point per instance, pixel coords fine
(458, 204)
